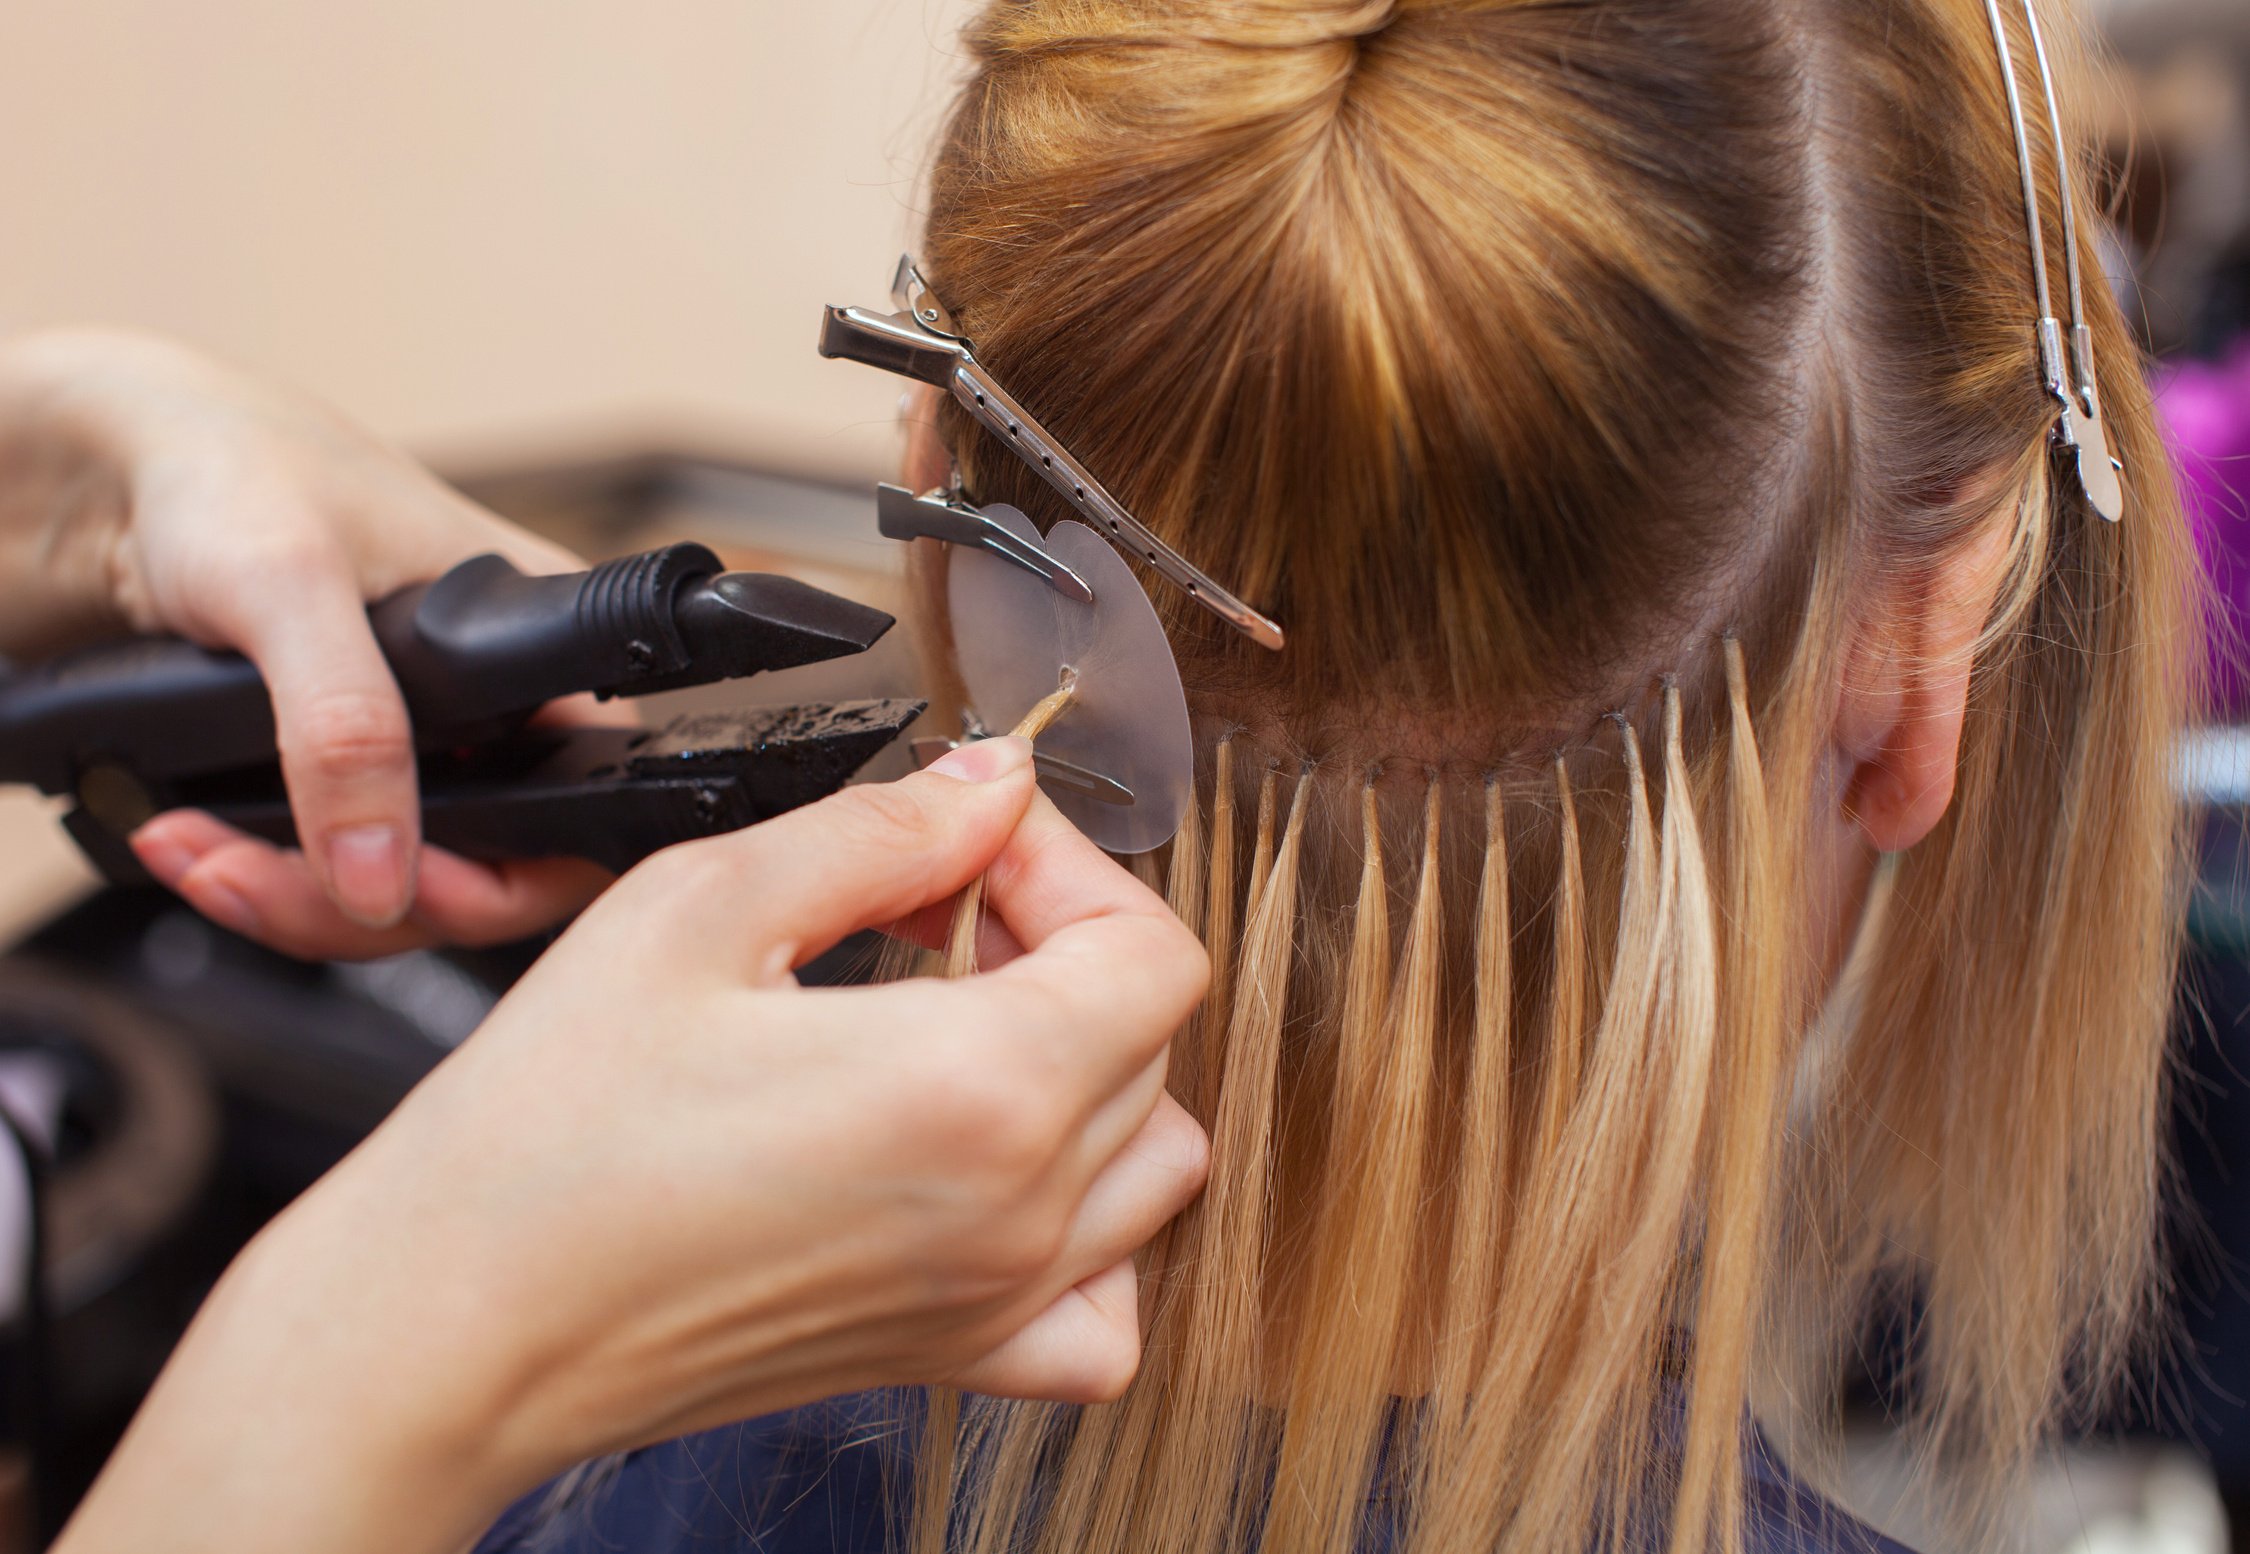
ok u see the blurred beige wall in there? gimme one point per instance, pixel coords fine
(484, 225)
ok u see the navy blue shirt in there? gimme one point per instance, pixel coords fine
(825, 1480)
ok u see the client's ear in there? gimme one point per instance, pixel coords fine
(1906, 692)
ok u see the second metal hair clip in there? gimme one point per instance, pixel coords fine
(2078, 427)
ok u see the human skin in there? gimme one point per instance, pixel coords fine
(664, 1187)
(145, 488)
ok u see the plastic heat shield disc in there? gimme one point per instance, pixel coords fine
(1127, 720)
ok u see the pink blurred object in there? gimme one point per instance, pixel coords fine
(2205, 407)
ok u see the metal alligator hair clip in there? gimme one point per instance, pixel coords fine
(943, 515)
(2079, 425)
(922, 342)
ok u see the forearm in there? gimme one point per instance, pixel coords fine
(309, 1407)
(64, 496)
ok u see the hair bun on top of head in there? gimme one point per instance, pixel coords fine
(1240, 23)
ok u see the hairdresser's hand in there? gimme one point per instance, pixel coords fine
(143, 488)
(664, 1187)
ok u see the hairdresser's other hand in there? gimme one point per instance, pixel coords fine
(664, 1187)
(144, 488)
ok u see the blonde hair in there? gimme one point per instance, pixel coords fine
(1571, 380)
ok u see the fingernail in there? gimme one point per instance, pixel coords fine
(984, 760)
(223, 906)
(168, 861)
(367, 871)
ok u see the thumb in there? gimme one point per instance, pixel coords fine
(792, 886)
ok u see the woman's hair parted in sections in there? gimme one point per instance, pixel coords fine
(1574, 378)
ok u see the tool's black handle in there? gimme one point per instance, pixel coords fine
(612, 795)
(126, 701)
(474, 652)
(578, 798)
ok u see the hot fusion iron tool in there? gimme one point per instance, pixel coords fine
(134, 728)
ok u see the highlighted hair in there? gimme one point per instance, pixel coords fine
(1576, 383)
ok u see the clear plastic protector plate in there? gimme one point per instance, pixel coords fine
(1128, 719)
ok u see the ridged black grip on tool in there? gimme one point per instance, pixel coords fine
(484, 643)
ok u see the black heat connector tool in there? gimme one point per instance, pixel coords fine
(130, 729)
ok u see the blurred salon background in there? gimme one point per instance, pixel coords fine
(572, 252)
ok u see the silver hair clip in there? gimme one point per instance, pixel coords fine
(2079, 426)
(921, 341)
(942, 515)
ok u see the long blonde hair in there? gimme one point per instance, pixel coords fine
(1573, 379)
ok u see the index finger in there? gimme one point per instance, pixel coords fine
(347, 750)
(782, 891)
(1097, 944)
(1048, 876)
(1088, 1012)
(1094, 937)
(1051, 876)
